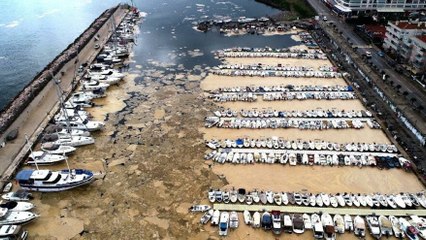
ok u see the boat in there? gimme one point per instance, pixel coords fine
(215, 218)
(266, 221)
(298, 224)
(16, 206)
(340, 199)
(20, 195)
(325, 199)
(241, 196)
(276, 222)
(10, 217)
(256, 220)
(284, 198)
(58, 149)
(373, 225)
(277, 199)
(223, 223)
(7, 187)
(349, 225)
(247, 217)
(359, 227)
(206, 217)
(53, 181)
(233, 196)
(218, 196)
(420, 224)
(318, 200)
(270, 197)
(255, 196)
(211, 196)
(262, 197)
(396, 227)
(409, 230)
(44, 158)
(317, 227)
(13, 232)
(287, 223)
(385, 226)
(307, 221)
(199, 208)
(333, 202)
(339, 223)
(233, 220)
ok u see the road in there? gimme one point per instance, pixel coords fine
(412, 87)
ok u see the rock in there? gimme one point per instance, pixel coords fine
(120, 161)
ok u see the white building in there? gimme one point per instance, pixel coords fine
(398, 35)
(417, 56)
(380, 5)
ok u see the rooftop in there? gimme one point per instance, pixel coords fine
(408, 25)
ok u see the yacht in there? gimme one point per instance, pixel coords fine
(54, 148)
(53, 181)
(10, 217)
(44, 158)
(15, 206)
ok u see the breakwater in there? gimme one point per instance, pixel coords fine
(10, 113)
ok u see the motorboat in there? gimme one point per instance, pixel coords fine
(226, 196)
(94, 85)
(20, 195)
(53, 181)
(396, 227)
(247, 217)
(349, 225)
(83, 125)
(206, 217)
(256, 220)
(317, 227)
(339, 223)
(241, 195)
(199, 208)
(58, 149)
(325, 199)
(298, 224)
(420, 224)
(17, 206)
(266, 221)
(287, 223)
(211, 196)
(10, 232)
(44, 158)
(385, 226)
(276, 222)
(307, 221)
(327, 223)
(215, 218)
(374, 226)
(233, 220)
(359, 227)
(218, 195)
(409, 230)
(10, 217)
(224, 223)
(7, 187)
(233, 195)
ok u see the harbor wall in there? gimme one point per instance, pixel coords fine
(59, 64)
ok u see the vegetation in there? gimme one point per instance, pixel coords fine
(298, 8)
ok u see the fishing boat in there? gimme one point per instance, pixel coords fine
(276, 222)
(206, 217)
(199, 208)
(339, 223)
(373, 225)
(298, 224)
(10, 217)
(317, 227)
(224, 224)
(396, 227)
(44, 158)
(349, 225)
(359, 227)
(20, 195)
(17, 206)
(215, 218)
(233, 220)
(53, 181)
(247, 217)
(385, 226)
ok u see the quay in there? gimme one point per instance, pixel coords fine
(311, 210)
(35, 117)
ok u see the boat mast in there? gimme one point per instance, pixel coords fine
(31, 151)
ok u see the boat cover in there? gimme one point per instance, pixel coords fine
(24, 175)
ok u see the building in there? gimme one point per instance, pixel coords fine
(417, 56)
(398, 35)
(384, 6)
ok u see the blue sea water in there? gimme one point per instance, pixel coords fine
(33, 32)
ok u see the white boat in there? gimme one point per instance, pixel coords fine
(327, 223)
(53, 181)
(318, 200)
(317, 227)
(74, 141)
(396, 227)
(333, 201)
(223, 224)
(284, 198)
(409, 230)
(94, 85)
(339, 223)
(199, 208)
(233, 195)
(20, 195)
(215, 218)
(325, 199)
(233, 220)
(359, 227)
(420, 224)
(44, 158)
(7, 187)
(307, 221)
(206, 217)
(340, 200)
(287, 223)
(15, 206)
(10, 232)
(83, 125)
(298, 224)
(385, 226)
(349, 225)
(247, 217)
(57, 149)
(10, 218)
(256, 219)
(276, 223)
(277, 198)
(211, 196)
(373, 225)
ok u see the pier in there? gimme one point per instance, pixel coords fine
(35, 117)
(311, 210)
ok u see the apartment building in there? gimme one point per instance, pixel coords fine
(379, 5)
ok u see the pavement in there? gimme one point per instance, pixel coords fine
(39, 112)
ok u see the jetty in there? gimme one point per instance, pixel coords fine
(43, 103)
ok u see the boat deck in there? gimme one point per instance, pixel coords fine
(310, 210)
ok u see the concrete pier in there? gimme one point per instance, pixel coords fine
(38, 113)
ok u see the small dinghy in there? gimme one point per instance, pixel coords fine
(15, 206)
(206, 217)
(199, 208)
